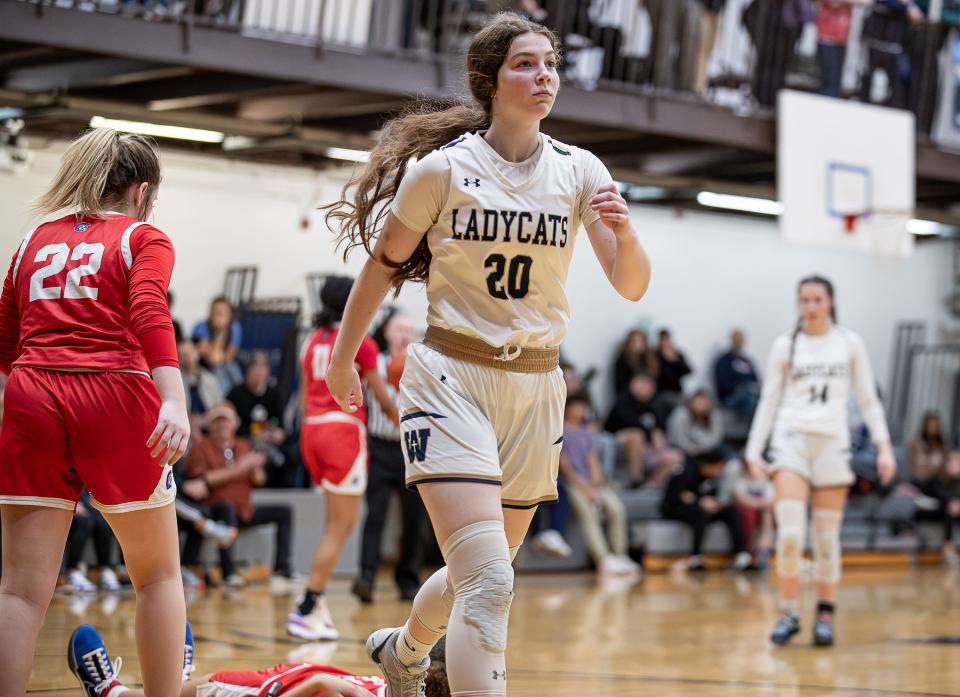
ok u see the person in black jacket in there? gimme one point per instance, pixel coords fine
(697, 496)
(638, 419)
(673, 368)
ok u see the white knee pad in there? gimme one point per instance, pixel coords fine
(478, 566)
(826, 545)
(791, 517)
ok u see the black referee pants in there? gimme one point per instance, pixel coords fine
(386, 476)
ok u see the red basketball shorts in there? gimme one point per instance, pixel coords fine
(66, 430)
(334, 448)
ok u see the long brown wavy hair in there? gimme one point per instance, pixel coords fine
(360, 213)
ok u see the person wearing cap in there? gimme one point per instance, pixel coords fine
(221, 470)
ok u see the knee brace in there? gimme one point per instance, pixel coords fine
(791, 517)
(478, 566)
(826, 545)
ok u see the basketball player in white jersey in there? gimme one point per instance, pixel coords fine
(808, 381)
(488, 221)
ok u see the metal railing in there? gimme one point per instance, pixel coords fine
(739, 58)
(933, 384)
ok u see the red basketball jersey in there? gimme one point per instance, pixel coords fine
(91, 294)
(316, 360)
(292, 675)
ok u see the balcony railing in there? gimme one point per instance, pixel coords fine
(738, 58)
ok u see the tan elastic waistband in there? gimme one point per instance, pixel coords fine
(511, 358)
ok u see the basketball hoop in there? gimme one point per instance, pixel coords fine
(850, 222)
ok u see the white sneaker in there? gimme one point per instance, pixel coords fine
(109, 581)
(79, 583)
(235, 581)
(551, 543)
(317, 626)
(613, 565)
(402, 680)
(629, 565)
(742, 561)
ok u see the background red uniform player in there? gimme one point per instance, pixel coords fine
(84, 325)
(334, 447)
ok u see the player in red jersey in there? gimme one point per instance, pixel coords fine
(99, 676)
(84, 325)
(334, 447)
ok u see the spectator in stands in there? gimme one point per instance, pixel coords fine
(695, 427)
(635, 356)
(218, 339)
(591, 494)
(673, 368)
(229, 468)
(530, 9)
(928, 453)
(549, 526)
(948, 491)
(199, 385)
(754, 501)
(774, 27)
(200, 521)
(606, 442)
(711, 13)
(387, 475)
(884, 36)
(696, 496)
(88, 525)
(738, 387)
(260, 410)
(177, 329)
(674, 26)
(637, 419)
(833, 29)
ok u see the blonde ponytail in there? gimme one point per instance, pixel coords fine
(97, 169)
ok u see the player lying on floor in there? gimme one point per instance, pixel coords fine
(98, 675)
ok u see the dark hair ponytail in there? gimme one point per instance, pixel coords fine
(333, 301)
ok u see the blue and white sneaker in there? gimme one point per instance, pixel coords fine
(188, 664)
(88, 660)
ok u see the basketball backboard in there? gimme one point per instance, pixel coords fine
(845, 174)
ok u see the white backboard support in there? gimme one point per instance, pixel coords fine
(845, 174)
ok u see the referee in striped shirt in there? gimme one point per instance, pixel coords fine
(387, 475)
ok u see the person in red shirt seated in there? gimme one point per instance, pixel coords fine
(334, 448)
(94, 399)
(99, 676)
(221, 470)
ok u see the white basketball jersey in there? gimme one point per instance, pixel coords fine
(809, 392)
(501, 251)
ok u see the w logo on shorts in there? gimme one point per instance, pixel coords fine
(416, 442)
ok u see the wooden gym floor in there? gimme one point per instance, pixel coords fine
(898, 634)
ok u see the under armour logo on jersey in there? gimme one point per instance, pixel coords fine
(500, 676)
(468, 182)
(416, 442)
